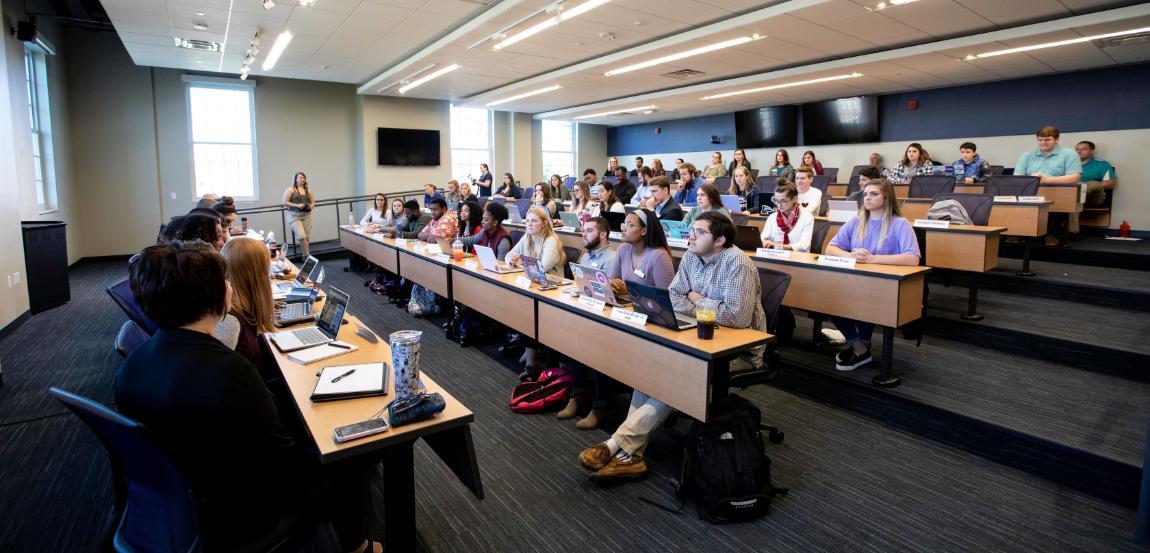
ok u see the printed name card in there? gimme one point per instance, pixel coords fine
(773, 254)
(401, 241)
(419, 246)
(1032, 199)
(837, 261)
(434, 249)
(471, 265)
(677, 242)
(378, 236)
(615, 235)
(588, 301)
(1010, 199)
(629, 316)
(931, 223)
(566, 229)
(443, 256)
(523, 282)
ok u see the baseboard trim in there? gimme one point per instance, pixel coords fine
(94, 259)
(12, 326)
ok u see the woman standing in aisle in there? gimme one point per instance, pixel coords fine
(300, 201)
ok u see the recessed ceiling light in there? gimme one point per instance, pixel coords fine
(277, 50)
(200, 26)
(306, 3)
(201, 14)
(1058, 43)
(524, 95)
(606, 113)
(199, 61)
(684, 54)
(268, 4)
(784, 85)
(439, 73)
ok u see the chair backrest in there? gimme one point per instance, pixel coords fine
(819, 235)
(121, 293)
(853, 185)
(926, 186)
(516, 236)
(569, 182)
(773, 285)
(831, 173)
(996, 170)
(160, 513)
(609, 178)
(1007, 171)
(572, 254)
(977, 206)
(754, 174)
(858, 169)
(722, 183)
(825, 205)
(129, 338)
(766, 183)
(482, 203)
(1011, 185)
(821, 182)
(523, 204)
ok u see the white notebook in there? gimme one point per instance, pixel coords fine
(324, 351)
(350, 381)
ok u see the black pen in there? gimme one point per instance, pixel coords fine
(338, 345)
(337, 379)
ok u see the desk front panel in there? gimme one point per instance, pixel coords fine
(975, 252)
(854, 295)
(424, 272)
(507, 306)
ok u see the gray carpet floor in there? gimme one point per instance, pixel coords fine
(855, 484)
(1080, 275)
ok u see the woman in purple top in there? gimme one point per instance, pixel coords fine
(643, 256)
(879, 235)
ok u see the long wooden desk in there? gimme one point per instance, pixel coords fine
(680, 369)
(1025, 220)
(448, 434)
(885, 295)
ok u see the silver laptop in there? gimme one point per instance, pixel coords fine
(325, 330)
(305, 273)
(491, 263)
(842, 210)
(570, 220)
(594, 283)
(731, 202)
(445, 247)
(513, 215)
(539, 276)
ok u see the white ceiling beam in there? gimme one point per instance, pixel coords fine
(392, 73)
(1109, 16)
(722, 26)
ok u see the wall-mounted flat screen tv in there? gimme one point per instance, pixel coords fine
(407, 146)
(842, 121)
(769, 127)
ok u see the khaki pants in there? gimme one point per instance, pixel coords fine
(1095, 196)
(301, 225)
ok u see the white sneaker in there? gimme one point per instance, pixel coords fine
(834, 337)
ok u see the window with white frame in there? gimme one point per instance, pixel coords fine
(221, 122)
(43, 170)
(470, 141)
(558, 148)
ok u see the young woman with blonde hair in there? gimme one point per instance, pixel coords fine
(252, 308)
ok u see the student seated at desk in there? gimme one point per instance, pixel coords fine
(866, 175)
(743, 186)
(539, 241)
(782, 167)
(196, 226)
(226, 209)
(915, 161)
(623, 187)
(809, 160)
(790, 226)
(878, 234)
(252, 307)
(412, 223)
(430, 193)
(378, 212)
(810, 198)
(470, 219)
(597, 251)
(491, 232)
(541, 197)
(974, 168)
(711, 268)
(661, 201)
(210, 409)
(644, 255)
(685, 189)
(509, 190)
(716, 169)
(643, 192)
(581, 200)
(709, 201)
(607, 201)
(559, 191)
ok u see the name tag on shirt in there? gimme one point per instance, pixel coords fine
(773, 254)
(639, 273)
(931, 223)
(588, 301)
(1032, 199)
(434, 249)
(1008, 199)
(677, 242)
(628, 316)
(837, 261)
(523, 282)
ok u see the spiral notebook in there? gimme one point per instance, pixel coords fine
(317, 353)
(351, 381)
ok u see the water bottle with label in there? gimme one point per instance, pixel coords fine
(959, 170)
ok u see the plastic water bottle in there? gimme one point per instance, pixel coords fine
(959, 170)
(351, 218)
(457, 249)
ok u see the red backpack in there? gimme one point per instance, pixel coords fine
(552, 388)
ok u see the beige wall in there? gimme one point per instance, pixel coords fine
(14, 300)
(592, 148)
(1125, 149)
(403, 113)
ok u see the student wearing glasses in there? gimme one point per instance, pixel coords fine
(790, 226)
(878, 234)
(715, 169)
(712, 268)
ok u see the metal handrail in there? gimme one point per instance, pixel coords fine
(327, 202)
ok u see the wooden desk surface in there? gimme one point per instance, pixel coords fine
(322, 418)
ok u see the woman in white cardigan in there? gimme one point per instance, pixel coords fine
(790, 226)
(540, 242)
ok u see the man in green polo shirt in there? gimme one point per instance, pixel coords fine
(1097, 174)
(1053, 164)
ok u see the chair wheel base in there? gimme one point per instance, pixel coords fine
(974, 317)
(888, 382)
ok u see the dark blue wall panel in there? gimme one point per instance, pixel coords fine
(1097, 100)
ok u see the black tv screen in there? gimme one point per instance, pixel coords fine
(407, 146)
(842, 121)
(769, 127)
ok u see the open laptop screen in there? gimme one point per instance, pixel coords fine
(331, 317)
(305, 271)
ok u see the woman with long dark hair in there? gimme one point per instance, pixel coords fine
(299, 200)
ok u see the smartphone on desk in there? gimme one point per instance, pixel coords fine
(357, 430)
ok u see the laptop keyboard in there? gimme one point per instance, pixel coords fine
(310, 336)
(295, 311)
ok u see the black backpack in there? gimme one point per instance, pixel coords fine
(726, 471)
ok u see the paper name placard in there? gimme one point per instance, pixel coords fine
(566, 229)
(1032, 199)
(629, 316)
(931, 223)
(1011, 199)
(471, 265)
(444, 256)
(434, 249)
(523, 282)
(615, 235)
(677, 242)
(401, 241)
(588, 301)
(837, 261)
(378, 236)
(419, 247)
(773, 254)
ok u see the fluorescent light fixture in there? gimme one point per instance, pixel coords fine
(888, 3)
(268, 4)
(784, 85)
(277, 50)
(550, 22)
(306, 3)
(524, 95)
(681, 55)
(441, 72)
(606, 113)
(1058, 43)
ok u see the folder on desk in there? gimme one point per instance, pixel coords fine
(351, 381)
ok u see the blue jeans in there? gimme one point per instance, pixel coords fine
(854, 331)
(586, 378)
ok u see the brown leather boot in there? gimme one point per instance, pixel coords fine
(596, 456)
(591, 421)
(618, 469)
(571, 409)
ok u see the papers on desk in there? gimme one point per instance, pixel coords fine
(350, 381)
(323, 351)
(434, 249)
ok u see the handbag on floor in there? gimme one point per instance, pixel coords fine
(552, 388)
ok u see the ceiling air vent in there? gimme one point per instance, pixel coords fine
(683, 74)
(1140, 38)
(201, 45)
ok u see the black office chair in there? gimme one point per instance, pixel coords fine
(977, 206)
(996, 170)
(825, 205)
(523, 204)
(773, 288)
(821, 182)
(128, 338)
(516, 236)
(572, 254)
(722, 183)
(121, 293)
(858, 169)
(766, 183)
(754, 174)
(926, 186)
(1142, 532)
(818, 236)
(156, 507)
(831, 173)
(1011, 185)
(853, 185)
